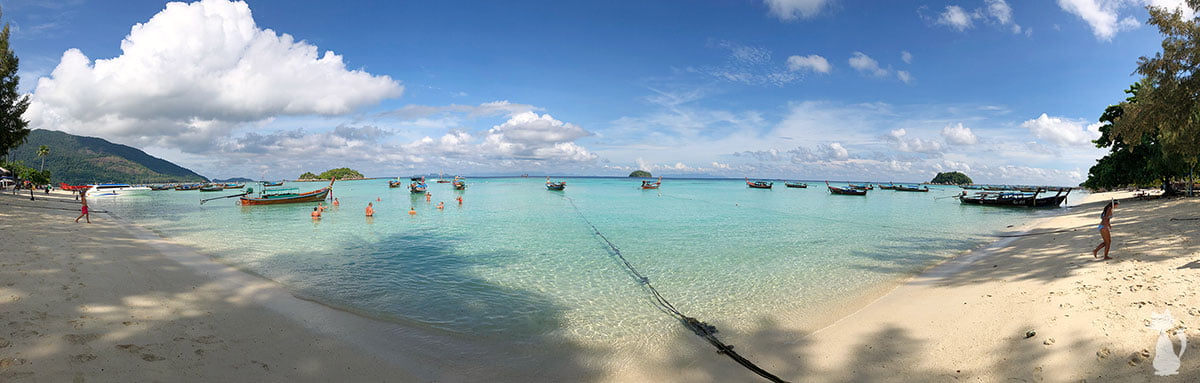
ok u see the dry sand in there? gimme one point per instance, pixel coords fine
(103, 302)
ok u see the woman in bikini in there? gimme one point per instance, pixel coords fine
(1105, 216)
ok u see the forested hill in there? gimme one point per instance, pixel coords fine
(78, 160)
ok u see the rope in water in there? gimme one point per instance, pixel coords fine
(702, 329)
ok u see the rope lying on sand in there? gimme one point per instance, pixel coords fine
(702, 329)
(1185, 219)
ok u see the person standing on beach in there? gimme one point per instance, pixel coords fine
(83, 209)
(1105, 216)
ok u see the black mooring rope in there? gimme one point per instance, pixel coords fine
(702, 329)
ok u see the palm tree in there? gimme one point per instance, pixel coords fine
(42, 152)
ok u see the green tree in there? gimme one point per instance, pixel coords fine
(1136, 160)
(340, 173)
(308, 176)
(1168, 105)
(42, 152)
(13, 128)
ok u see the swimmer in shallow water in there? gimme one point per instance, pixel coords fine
(370, 210)
(412, 211)
(441, 205)
(316, 214)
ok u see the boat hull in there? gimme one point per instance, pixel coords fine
(801, 186)
(312, 196)
(558, 186)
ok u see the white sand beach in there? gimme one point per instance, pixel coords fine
(106, 302)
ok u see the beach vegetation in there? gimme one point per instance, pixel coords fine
(640, 173)
(308, 176)
(951, 178)
(23, 172)
(1139, 162)
(42, 152)
(13, 128)
(340, 173)
(1166, 106)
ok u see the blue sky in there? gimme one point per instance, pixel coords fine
(1007, 92)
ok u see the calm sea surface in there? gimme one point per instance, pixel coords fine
(516, 262)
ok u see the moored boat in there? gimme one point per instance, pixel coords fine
(98, 190)
(187, 187)
(286, 195)
(161, 187)
(886, 187)
(212, 188)
(651, 184)
(459, 183)
(269, 184)
(971, 187)
(418, 186)
(395, 184)
(759, 184)
(863, 187)
(555, 185)
(845, 191)
(233, 186)
(911, 188)
(796, 185)
(1016, 199)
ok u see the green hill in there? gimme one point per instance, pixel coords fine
(951, 178)
(78, 160)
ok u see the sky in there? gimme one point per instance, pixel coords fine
(1004, 91)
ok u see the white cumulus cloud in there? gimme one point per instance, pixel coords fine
(900, 141)
(814, 63)
(1108, 17)
(795, 9)
(866, 64)
(906, 57)
(192, 74)
(955, 17)
(527, 135)
(1061, 131)
(903, 75)
(959, 135)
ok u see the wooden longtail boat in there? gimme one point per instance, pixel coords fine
(971, 187)
(161, 187)
(863, 187)
(269, 184)
(418, 187)
(795, 185)
(845, 191)
(188, 187)
(212, 188)
(759, 184)
(912, 189)
(395, 184)
(555, 185)
(886, 187)
(459, 183)
(233, 186)
(286, 195)
(651, 184)
(1016, 199)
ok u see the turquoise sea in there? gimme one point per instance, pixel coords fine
(516, 263)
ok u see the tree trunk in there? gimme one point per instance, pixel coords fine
(43, 164)
(1191, 178)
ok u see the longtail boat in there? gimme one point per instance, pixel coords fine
(845, 191)
(418, 186)
(795, 185)
(270, 184)
(395, 184)
(912, 188)
(233, 186)
(459, 183)
(886, 187)
(971, 187)
(286, 195)
(1016, 199)
(212, 188)
(555, 185)
(187, 187)
(161, 187)
(862, 187)
(759, 184)
(651, 184)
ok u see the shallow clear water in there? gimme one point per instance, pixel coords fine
(516, 262)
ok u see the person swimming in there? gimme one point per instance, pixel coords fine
(459, 198)
(441, 205)
(428, 196)
(316, 213)
(370, 210)
(412, 211)
(336, 203)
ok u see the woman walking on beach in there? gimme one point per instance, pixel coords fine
(1105, 216)
(83, 210)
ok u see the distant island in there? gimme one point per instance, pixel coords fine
(83, 160)
(951, 178)
(234, 179)
(339, 173)
(640, 173)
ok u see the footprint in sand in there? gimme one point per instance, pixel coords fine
(152, 358)
(81, 338)
(82, 358)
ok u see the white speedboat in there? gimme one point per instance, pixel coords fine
(102, 190)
